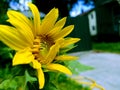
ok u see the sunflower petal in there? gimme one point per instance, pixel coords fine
(41, 78)
(61, 22)
(59, 67)
(11, 38)
(24, 30)
(69, 41)
(23, 57)
(36, 64)
(36, 15)
(58, 26)
(53, 32)
(14, 15)
(66, 57)
(67, 30)
(52, 53)
(49, 21)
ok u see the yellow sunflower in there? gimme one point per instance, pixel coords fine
(37, 41)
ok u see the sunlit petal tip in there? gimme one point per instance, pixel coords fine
(74, 39)
(55, 11)
(65, 18)
(72, 26)
(36, 17)
(60, 68)
(8, 20)
(74, 58)
(70, 73)
(30, 4)
(41, 78)
(64, 32)
(78, 39)
(66, 57)
(60, 23)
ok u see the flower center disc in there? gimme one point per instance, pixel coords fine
(41, 46)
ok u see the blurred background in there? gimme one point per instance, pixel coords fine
(96, 21)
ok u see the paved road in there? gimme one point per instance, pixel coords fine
(107, 68)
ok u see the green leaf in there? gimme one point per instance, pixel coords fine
(17, 82)
(5, 52)
(76, 67)
(8, 85)
(29, 78)
(68, 48)
(23, 80)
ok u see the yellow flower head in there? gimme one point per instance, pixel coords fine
(38, 41)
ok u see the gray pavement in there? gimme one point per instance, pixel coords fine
(107, 68)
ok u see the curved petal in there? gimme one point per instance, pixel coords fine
(69, 41)
(23, 57)
(57, 27)
(66, 57)
(36, 64)
(67, 30)
(14, 15)
(24, 30)
(52, 53)
(36, 16)
(12, 38)
(59, 67)
(41, 78)
(49, 21)
(61, 22)
(53, 32)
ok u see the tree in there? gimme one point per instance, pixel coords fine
(63, 5)
(3, 9)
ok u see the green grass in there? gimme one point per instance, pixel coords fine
(113, 47)
(64, 82)
(71, 84)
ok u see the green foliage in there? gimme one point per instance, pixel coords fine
(59, 81)
(3, 9)
(15, 82)
(8, 85)
(6, 53)
(25, 81)
(76, 67)
(113, 47)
